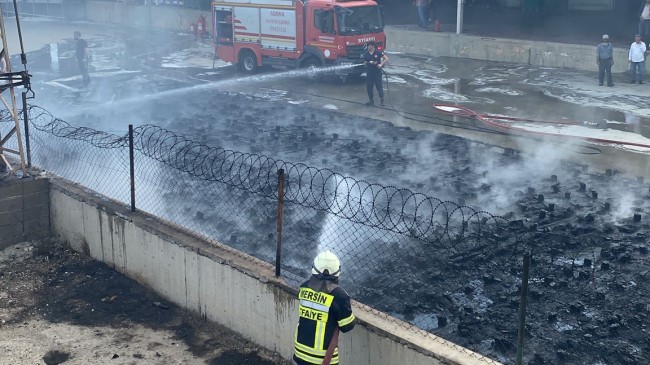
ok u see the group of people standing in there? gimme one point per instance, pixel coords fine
(605, 60)
(636, 55)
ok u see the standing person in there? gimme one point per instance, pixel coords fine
(82, 57)
(637, 59)
(374, 61)
(644, 21)
(423, 8)
(605, 61)
(324, 309)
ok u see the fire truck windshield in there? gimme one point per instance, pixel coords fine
(359, 20)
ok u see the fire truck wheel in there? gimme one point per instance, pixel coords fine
(311, 64)
(247, 62)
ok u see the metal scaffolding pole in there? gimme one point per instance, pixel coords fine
(9, 81)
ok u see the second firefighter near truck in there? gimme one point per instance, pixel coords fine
(375, 61)
(297, 33)
(324, 309)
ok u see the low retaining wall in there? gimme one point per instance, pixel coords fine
(24, 210)
(547, 54)
(157, 17)
(227, 286)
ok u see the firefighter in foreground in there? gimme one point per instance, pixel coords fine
(374, 60)
(324, 310)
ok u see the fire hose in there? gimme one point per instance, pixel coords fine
(496, 121)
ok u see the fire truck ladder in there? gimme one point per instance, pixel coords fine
(9, 81)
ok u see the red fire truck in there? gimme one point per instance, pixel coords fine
(296, 33)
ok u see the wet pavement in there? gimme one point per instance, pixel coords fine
(168, 79)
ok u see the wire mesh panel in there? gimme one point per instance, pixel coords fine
(214, 210)
(95, 159)
(213, 192)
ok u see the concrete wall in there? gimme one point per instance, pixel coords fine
(74, 10)
(547, 54)
(156, 17)
(24, 210)
(510, 3)
(227, 286)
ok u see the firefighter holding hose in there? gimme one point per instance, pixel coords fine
(374, 61)
(324, 311)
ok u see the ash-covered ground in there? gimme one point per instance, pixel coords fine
(60, 307)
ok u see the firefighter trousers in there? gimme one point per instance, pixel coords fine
(373, 80)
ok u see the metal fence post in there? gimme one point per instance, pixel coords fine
(522, 309)
(278, 249)
(26, 121)
(132, 167)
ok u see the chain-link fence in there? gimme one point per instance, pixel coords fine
(437, 266)
(94, 159)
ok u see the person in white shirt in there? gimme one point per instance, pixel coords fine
(644, 22)
(637, 59)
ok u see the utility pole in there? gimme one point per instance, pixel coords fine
(9, 81)
(459, 17)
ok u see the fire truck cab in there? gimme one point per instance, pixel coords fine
(296, 33)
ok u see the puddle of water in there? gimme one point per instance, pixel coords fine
(539, 96)
(563, 327)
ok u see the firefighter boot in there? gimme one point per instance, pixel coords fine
(381, 101)
(370, 103)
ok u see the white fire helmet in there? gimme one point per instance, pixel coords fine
(327, 264)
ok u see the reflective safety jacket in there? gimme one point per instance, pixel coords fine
(320, 314)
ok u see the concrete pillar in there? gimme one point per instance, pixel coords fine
(459, 17)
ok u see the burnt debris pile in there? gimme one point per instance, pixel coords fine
(588, 293)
